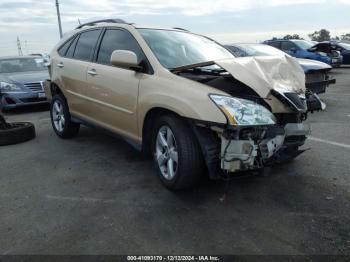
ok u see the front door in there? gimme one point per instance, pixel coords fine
(114, 91)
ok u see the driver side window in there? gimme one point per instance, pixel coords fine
(116, 39)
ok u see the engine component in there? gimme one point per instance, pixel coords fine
(237, 154)
(268, 147)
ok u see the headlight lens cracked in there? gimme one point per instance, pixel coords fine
(4, 86)
(243, 112)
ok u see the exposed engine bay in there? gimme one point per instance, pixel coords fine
(236, 147)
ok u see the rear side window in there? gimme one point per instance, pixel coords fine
(63, 49)
(275, 44)
(287, 46)
(86, 45)
(115, 39)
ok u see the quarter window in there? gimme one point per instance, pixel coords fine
(115, 39)
(71, 49)
(86, 45)
(63, 49)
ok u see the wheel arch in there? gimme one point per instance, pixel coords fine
(55, 89)
(151, 116)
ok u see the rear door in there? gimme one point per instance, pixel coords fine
(114, 91)
(74, 69)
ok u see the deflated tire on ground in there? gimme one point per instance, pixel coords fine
(16, 133)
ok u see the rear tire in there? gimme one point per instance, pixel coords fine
(61, 118)
(176, 153)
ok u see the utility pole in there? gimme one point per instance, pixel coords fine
(20, 53)
(59, 18)
(26, 46)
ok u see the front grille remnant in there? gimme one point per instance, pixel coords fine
(35, 86)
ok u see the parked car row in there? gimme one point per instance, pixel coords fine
(334, 53)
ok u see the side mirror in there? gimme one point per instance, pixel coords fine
(293, 49)
(125, 59)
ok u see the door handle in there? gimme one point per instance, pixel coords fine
(60, 65)
(92, 72)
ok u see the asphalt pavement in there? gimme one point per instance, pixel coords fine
(96, 195)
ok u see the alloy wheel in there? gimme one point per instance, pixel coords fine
(58, 116)
(166, 154)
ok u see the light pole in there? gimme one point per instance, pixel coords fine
(59, 17)
(19, 47)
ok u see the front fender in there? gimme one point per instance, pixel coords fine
(179, 95)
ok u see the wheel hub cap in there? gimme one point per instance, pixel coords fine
(58, 116)
(166, 152)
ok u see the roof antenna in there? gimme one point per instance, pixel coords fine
(79, 21)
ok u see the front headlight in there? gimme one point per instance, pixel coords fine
(243, 112)
(5, 87)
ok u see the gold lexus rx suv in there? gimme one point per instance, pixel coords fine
(180, 97)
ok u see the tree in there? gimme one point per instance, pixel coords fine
(345, 37)
(294, 36)
(319, 36)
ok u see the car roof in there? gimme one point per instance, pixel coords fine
(126, 25)
(330, 42)
(240, 44)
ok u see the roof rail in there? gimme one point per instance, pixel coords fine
(179, 28)
(117, 20)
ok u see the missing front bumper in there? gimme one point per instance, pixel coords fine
(246, 149)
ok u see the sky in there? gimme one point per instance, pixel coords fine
(227, 21)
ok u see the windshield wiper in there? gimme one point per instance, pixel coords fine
(180, 69)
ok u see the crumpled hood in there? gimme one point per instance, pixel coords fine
(312, 65)
(264, 73)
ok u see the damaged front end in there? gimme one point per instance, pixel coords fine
(249, 141)
(264, 112)
(233, 149)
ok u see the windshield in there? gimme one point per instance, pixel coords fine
(21, 65)
(261, 50)
(175, 49)
(303, 44)
(344, 45)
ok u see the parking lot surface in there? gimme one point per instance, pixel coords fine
(96, 195)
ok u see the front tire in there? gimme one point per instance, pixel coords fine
(176, 152)
(61, 118)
